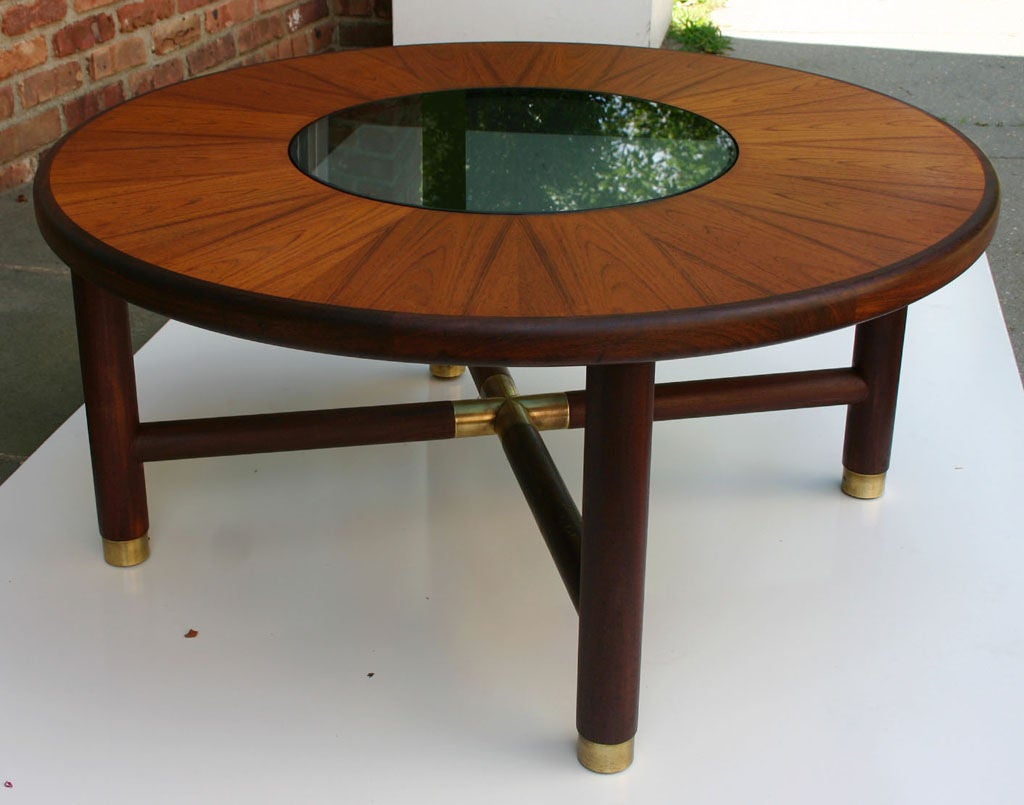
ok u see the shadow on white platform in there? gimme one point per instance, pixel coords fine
(384, 625)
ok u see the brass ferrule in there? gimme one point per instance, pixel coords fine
(446, 371)
(547, 411)
(479, 417)
(476, 417)
(126, 553)
(499, 385)
(604, 758)
(863, 487)
(511, 413)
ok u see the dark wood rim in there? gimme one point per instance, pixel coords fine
(526, 340)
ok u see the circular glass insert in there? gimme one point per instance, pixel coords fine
(514, 150)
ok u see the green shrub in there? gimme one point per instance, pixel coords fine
(693, 29)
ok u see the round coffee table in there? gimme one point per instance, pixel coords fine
(835, 206)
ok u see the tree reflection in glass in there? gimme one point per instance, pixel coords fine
(515, 150)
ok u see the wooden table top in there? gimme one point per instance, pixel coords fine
(843, 205)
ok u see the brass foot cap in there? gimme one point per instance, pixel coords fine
(445, 371)
(865, 487)
(604, 758)
(126, 553)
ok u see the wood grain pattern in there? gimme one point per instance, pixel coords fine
(112, 412)
(616, 481)
(877, 357)
(843, 205)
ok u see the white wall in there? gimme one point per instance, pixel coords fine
(625, 22)
(661, 16)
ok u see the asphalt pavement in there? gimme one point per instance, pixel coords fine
(962, 63)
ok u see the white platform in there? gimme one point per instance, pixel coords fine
(383, 624)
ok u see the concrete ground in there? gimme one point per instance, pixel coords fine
(40, 385)
(980, 91)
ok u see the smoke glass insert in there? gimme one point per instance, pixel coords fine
(514, 150)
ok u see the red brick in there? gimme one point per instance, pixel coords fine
(284, 49)
(303, 15)
(23, 56)
(84, 34)
(227, 14)
(189, 5)
(6, 102)
(117, 57)
(381, 9)
(211, 54)
(79, 110)
(259, 33)
(41, 87)
(321, 37)
(364, 33)
(141, 15)
(176, 34)
(268, 53)
(30, 135)
(17, 173)
(163, 75)
(354, 8)
(82, 6)
(20, 19)
(300, 45)
(270, 5)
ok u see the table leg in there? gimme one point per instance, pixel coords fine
(112, 413)
(616, 480)
(877, 354)
(446, 371)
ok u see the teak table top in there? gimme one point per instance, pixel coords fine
(843, 205)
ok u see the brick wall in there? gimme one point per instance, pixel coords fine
(64, 61)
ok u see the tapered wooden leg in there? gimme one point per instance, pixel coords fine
(112, 412)
(616, 480)
(877, 355)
